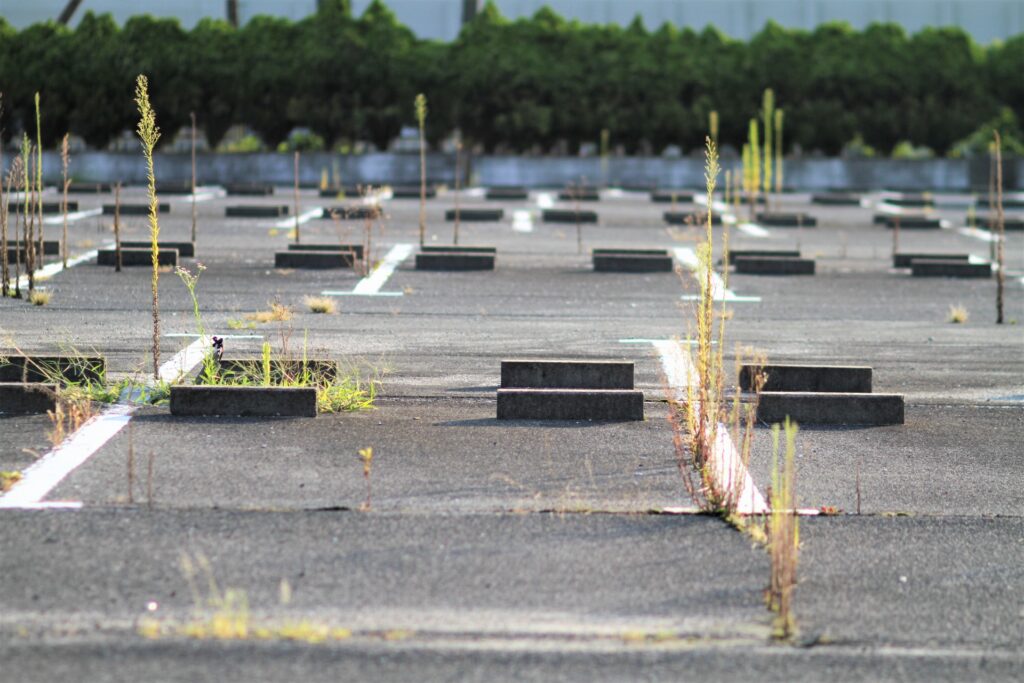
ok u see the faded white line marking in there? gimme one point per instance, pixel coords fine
(983, 235)
(183, 361)
(52, 269)
(719, 292)
(72, 216)
(522, 221)
(753, 229)
(304, 217)
(545, 200)
(725, 463)
(475, 192)
(375, 280)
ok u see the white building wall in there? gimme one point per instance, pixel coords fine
(986, 20)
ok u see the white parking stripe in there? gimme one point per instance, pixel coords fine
(72, 216)
(522, 221)
(305, 217)
(688, 258)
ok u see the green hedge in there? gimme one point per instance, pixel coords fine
(509, 84)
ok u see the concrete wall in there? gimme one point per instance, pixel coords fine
(986, 20)
(811, 174)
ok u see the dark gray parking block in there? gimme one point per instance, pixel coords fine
(475, 215)
(817, 378)
(836, 199)
(582, 194)
(566, 374)
(351, 191)
(249, 189)
(17, 398)
(902, 260)
(1010, 223)
(813, 408)
(352, 212)
(356, 249)
(1008, 203)
(453, 260)
(913, 200)
(774, 253)
(691, 218)
(457, 249)
(568, 216)
(89, 188)
(510, 193)
(296, 258)
(633, 263)
(913, 222)
(773, 265)
(134, 209)
(256, 211)
(40, 368)
(196, 401)
(943, 268)
(137, 257)
(787, 220)
(570, 404)
(668, 196)
(185, 249)
(48, 207)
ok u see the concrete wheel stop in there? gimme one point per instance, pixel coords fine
(669, 196)
(568, 390)
(507, 192)
(249, 189)
(243, 401)
(774, 253)
(50, 248)
(568, 216)
(185, 249)
(904, 260)
(137, 257)
(27, 398)
(947, 268)
(582, 194)
(48, 207)
(632, 261)
(298, 256)
(353, 212)
(475, 215)
(836, 199)
(773, 265)
(822, 395)
(412, 192)
(45, 368)
(787, 220)
(455, 258)
(134, 209)
(256, 211)
(912, 222)
(691, 217)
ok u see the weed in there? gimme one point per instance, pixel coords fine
(713, 126)
(71, 411)
(3, 215)
(768, 112)
(755, 166)
(117, 228)
(296, 195)
(8, 479)
(421, 116)
(39, 174)
(149, 134)
(321, 304)
(192, 116)
(957, 314)
(1000, 227)
(39, 297)
(278, 313)
(191, 283)
(783, 532)
(458, 160)
(366, 455)
(237, 324)
(779, 116)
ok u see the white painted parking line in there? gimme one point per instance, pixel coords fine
(72, 216)
(475, 192)
(203, 194)
(522, 221)
(371, 284)
(304, 217)
(753, 229)
(725, 465)
(983, 235)
(222, 336)
(719, 292)
(47, 472)
(545, 200)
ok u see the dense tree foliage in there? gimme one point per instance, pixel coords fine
(511, 85)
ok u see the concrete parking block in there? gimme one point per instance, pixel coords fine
(198, 401)
(45, 368)
(256, 211)
(457, 249)
(668, 196)
(566, 374)
(633, 263)
(568, 216)
(134, 209)
(773, 265)
(508, 193)
(787, 220)
(137, 257)
(814, 408)
(17, 398)
(836, 199)
(453, 260)
(570, 404)
(356, 249)
(775, 253)
(809, 378)
(312, 258)
(185, 249)
(691, 217)
(903, 260)
(249, 189)
(944, 268)
(475, 215)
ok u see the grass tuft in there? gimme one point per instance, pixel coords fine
(278, 313)
(783, 532)
(38, 297)
(8, 479)
(321, 304)
(958, 314)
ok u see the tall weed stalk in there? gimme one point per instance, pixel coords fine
(149, 134)
(783, 531)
